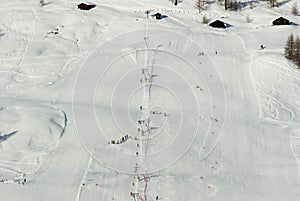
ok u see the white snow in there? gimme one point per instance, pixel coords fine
(219, 117)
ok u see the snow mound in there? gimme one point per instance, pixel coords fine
(29, 133)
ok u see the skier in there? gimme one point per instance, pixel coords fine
(156, 197)
(198, 87)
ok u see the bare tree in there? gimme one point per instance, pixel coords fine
(248, 19)
(204, 19)
(226, 4)
(272, 3)
(175, 2)
(251, 4)
(294, 9)
(231, 5)
(199, 5)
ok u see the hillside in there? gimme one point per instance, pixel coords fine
(109, 104)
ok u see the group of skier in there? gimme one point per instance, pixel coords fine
(19, 181)
(120, 141)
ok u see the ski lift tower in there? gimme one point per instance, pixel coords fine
(147, 13)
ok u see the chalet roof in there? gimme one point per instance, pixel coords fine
(218, 24)
(83, 6)
(281, 21)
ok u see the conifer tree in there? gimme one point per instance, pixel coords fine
(289, 48)
(296, 52)
(42, 3)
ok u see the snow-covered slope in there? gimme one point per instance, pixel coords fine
(108, 104)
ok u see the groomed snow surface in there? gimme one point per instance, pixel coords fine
(108, 104)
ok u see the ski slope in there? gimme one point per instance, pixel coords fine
(108, 104)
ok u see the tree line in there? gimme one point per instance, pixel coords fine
(236, 5)
(292, 49)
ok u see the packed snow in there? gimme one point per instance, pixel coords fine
(113, 104)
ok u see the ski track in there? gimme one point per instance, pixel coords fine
(62, 146)
(274, 103)
(79, 193)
